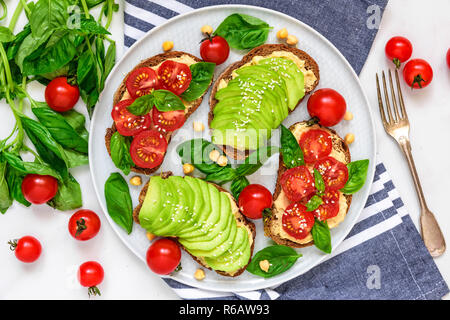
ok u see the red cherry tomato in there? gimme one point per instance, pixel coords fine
(316, 144)
(334, 173)
(141, 82)
(297, 183)
(215, 50)
(84, 225)
(448, 58)
(60, 95)
(163, 256)
(328, 106)
(418, 73)
(253, 199)
(169, 120)
(127, 123)
(90, 275)
(398, 50)
(296, 221)
(174, 76)
(39, 189)
(148, 148)
(27, 249)
(330, 206)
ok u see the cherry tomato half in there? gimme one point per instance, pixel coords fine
(148, 148)
(27, 249)
(84, 224)
(90, 275)
(169, 120)
(316, 144)
(60, 95)
(334, 173)
(127, 123)
(418, 73)
(39, 189)
(253, 199)
(296, 221)
(174, 76)
(328, 106)
(141, 82)
(297, 183)
(163, 256)
(215, 49)
(398, 50)
(330, 206)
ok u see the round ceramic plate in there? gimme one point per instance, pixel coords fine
(184, 31)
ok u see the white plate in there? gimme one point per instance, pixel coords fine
(184, 31)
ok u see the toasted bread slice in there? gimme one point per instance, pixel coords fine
(264, 50)
(121, 93)
(272, 224)
(240, 219)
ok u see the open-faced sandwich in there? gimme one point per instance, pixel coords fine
(153, 101)
(203, 217)
(254, 95)
(310, 188)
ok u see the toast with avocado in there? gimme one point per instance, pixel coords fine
(122, 94)
(254, 95)
(290, 222)
(204, 219)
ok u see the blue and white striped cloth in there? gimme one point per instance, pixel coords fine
(383, 257)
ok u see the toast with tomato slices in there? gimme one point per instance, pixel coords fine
(122, 94)
(281, 231)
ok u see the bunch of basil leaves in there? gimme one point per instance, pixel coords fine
(60, 38)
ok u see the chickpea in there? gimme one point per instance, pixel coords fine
(222, 161)
(206, 29)
(167, 45)
(150, 236)
(199, 274)
(291, 40)
(214, 155)
(188, 168)
(198, 126)
(282, 33)
(349, 138)
(136, 181)
(348, 116)
(264, 265)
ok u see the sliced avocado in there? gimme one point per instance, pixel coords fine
(250, 138)
(292, 76)
(153, 203)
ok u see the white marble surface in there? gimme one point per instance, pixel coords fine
(126, 277)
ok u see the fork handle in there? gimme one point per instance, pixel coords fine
(431, 232)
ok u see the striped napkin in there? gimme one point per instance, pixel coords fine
(383, 257)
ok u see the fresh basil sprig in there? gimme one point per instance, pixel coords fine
(357, 174)
(243, 31)
(321, 235)
(281, 258)
(202, 74)
(314, 203)
(118, 201)
(290, 149)
(163, 100)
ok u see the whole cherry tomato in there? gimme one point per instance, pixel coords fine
(253, 199)
(328, 106)
(448, 58)
(39, 189)
(398, 50)
(215, 49)
(90, 275)
(27, 249)
(418, 73)
(60, 95)
(84, 224)
(163, 256)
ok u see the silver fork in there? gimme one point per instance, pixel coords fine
(396, 125)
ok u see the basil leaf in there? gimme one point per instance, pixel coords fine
(290, 149)
(48, 16)
(118, 201)
(110, 60)
(90, 26)
(120, 152)
(237, 185)
(77, 121)
(281, 258)
(321, 236)
(243, 31)
(59, 128)
(29, 167)
(357, 174)
(14, 179)
(5, 197)
(202, 74)
(142, 105)
(313, 203)
(318, 181)
(6, 35)
(255, 160)
(222, 176)
(76, 159)
(68, 196)
(88, 79)
(14, 46)
(165, 100)
(29, 49)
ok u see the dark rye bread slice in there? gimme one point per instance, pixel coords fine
(249, 225)
(151, 62)
(269, 222)
(263, 50)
